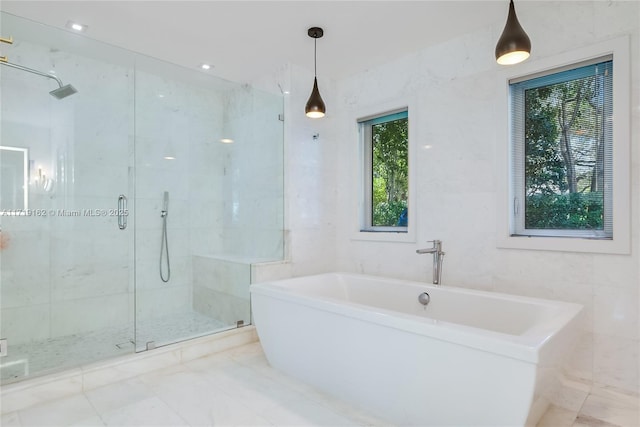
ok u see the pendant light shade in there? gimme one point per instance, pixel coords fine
(514, 45)
(315, 107)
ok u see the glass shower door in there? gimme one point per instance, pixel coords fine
(67, 241)
(198, 159)
(209, 199)
(176, 165)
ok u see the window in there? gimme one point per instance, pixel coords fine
(562, 152)
(564, 156)
(385, 142)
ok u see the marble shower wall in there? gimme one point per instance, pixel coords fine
(253, 175)
(176, 151)
(225, 198)
(248, 203)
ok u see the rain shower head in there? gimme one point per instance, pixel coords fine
(63, 91)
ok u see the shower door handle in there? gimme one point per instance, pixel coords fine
(122, 212)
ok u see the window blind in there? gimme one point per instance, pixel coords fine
(549, 127)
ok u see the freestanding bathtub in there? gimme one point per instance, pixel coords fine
(468, 358)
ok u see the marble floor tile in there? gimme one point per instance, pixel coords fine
(200, 404)
(117, 395)
(625, 397)
(571, 394)
(12, 419)
(148, 412)
(610, 410)
(557, 416)
(60, 412)
(94, 421)
(237, 387)
(259, 391)
(305, 412)
(359, 415)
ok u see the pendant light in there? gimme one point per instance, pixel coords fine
(315, 105)
(514, 45)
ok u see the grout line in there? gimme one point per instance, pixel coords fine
(94, 408)
(593, 422)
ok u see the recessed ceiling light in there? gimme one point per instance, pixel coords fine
(226, 141)
(76, 26)
(205, 66)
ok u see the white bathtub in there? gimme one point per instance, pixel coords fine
(468, 358)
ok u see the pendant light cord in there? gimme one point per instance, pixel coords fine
(315, 57)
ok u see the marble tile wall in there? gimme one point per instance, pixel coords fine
(221, 288)
(250, 193)
(452, 85)
(225, 199)
(172, 153)
(311, 177)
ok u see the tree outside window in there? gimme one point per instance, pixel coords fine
(390, 173)
(564, 122)
(385, 143)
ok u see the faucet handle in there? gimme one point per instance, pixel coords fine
(437, 245)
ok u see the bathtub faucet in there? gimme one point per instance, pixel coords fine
(436, 250)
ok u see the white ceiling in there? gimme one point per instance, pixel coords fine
(246, 39)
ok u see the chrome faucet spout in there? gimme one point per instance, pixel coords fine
(427, 251)
(438, 255)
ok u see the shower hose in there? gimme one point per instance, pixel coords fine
(164, 249)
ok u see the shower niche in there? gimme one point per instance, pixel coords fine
(75, 285)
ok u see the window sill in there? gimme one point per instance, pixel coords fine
(405, 236)
(566, 244)
(394, 230)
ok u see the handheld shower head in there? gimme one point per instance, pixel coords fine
(165, 204)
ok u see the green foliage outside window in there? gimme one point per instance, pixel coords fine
(390, 172)
(564, 155)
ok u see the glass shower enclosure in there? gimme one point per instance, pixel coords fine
(131, 210)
